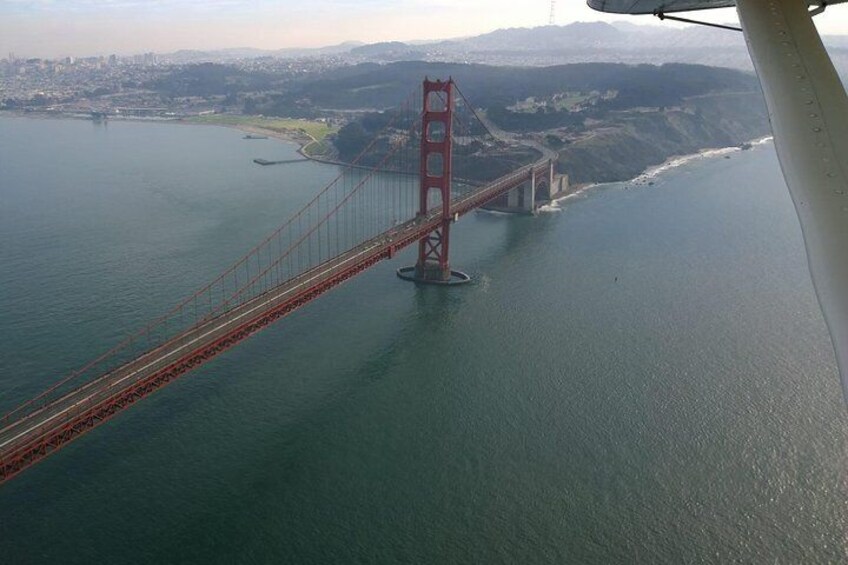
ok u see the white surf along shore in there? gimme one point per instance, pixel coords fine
(647, 178)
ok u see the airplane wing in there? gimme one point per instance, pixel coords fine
(669, 6)
(808, 110)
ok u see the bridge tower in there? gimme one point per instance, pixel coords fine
(435, 173)
(433, 265)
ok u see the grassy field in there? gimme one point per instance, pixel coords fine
(315, 129)
(318, 149)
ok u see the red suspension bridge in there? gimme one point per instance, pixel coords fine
(397, 192)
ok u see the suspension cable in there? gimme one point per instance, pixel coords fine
(177, 310)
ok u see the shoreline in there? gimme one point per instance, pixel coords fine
(289, 138)
(676, 161)
(279, 136)
(645, 178)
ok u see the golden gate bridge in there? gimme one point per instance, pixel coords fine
(402, 188)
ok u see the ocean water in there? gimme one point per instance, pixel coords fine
(638, 374)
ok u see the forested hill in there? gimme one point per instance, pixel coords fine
(607, 122)
(383, 86)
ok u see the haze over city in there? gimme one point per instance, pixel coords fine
(48, 28)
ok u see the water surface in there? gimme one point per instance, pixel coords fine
(643, 375)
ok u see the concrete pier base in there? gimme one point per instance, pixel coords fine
(415, 275)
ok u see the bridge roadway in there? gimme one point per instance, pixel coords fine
(46, 429)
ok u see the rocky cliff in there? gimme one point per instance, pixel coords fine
(635, 141)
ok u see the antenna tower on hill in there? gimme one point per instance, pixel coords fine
(552, 17)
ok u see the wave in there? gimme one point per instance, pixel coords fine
(552, 206)
(555, 205)
(675, 162)
(763, 140)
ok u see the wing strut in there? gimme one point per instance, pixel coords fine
(662, 16)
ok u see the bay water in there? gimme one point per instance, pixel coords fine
(640, 373)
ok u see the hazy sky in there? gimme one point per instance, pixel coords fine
(52, 28)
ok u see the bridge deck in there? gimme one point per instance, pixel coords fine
(46, 429)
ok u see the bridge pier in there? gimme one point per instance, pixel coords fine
(523, 198)
(540, 188)
(559, 185)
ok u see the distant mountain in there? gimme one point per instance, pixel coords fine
(337, 49)
(619, 35)
(388, 51)
(621, 42)
(380, 48)
(577, 35)
(839, 41)
(599, 42)
(580, 42)
(235, 53)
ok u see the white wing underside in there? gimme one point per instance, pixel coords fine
(808, 109)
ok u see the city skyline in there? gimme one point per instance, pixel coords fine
(81, 28)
